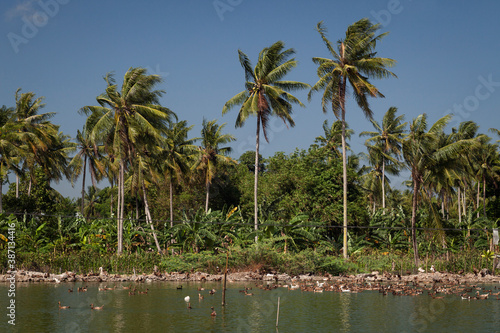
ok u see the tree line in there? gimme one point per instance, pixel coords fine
(152, 163)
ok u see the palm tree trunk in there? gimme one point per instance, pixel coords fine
(344, 160)
(464, 203)
(484, 195)
(17, 186)
(383, 184)
(111, 205)
(458, 203)
(256, 178)
(120, 208)
(83, 182)
(414, 218)
(171, 188)
(148, 217)
(207, 188)
(477, 197)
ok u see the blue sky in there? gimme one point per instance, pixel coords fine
(447, 55)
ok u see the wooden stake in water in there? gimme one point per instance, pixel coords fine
(225, 278)
(278, 313)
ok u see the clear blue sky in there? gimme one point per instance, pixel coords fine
(447, 53)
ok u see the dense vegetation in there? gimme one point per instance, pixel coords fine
(172, 194)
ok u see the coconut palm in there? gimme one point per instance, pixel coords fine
(353, 64)
(210, 154)
(390, 135)
(266, 94)
(375, 179)
(37, 134)
(9, 145)
(487, 166)
(176, 157)
(121, 117)
(88, 152)
(332, 139)
(422, 153)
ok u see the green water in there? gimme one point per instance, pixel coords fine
(164, 309)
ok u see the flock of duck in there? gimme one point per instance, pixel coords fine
(435, 290)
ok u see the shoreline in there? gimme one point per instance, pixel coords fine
(249, 276)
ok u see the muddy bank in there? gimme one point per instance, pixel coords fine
(436, 277)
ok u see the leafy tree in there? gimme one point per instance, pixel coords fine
(266, 94)
(353, 64)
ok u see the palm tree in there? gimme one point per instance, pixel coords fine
(332, 139)
(36, 133)
(375, 178)
(89, 152)
(487, 166)
(210, 154)
(9, 145)
(390, 135)
(266, 95)
(121, 117)
(422, 153)
(175, 157)
(353, 64)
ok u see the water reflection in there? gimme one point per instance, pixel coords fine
(345, 305)
(163, 309)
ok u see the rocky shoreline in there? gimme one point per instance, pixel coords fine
(436, 277)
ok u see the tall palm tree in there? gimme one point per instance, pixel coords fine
(36, 133)
(9, 145)
(176, 157)
(121, 117)
(266, 94)
(422, 153)
(211, 154)
(353, 64)
(390, 135)
(381, 165)
(487, 166)
(88, 153)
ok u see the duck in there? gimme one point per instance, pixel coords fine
(344, 289)
(213, 314)
(187, 298)
(200, 296)
(433, 270)
(62, 307)
(211, 292)
(96, 307)
(144, 292)
(131, 293)
(179, 287)
(481, 296)
(70, 290)
(130, 286)
(248, 294)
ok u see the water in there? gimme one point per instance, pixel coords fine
(163, 309)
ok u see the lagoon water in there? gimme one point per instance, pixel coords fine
(164, 309)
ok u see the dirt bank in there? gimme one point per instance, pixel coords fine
(436, 277)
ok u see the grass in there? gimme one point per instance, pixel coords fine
(258, 258)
